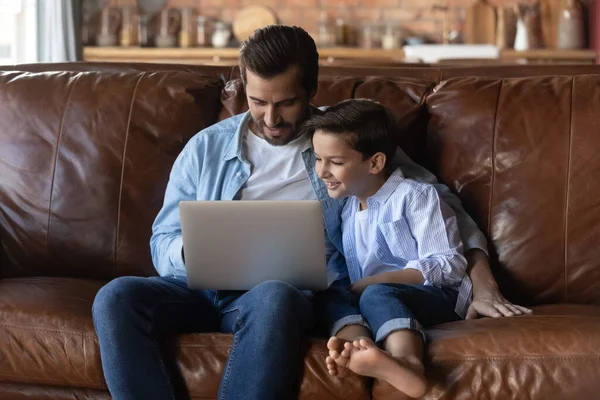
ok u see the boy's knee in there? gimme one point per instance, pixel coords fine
(380, 291)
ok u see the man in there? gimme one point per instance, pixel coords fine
(259, 155)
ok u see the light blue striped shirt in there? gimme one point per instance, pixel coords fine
(411, 227)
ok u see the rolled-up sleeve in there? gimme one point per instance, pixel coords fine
(433, 225)
(166, 243)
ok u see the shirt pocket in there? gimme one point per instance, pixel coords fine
(395, 243)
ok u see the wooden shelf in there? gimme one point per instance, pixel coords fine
(584, 55)
(229, 56)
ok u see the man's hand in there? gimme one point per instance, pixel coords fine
(487, 299)
(494, 305)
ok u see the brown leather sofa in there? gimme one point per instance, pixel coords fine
(85, 153)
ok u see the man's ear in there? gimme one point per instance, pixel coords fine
(377, 163)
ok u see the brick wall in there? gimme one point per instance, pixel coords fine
(413, 16)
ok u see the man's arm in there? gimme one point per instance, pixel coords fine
(487, 299)
(166, 244)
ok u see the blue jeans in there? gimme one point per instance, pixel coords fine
(134, 316)
(389, 307)
(336, 308)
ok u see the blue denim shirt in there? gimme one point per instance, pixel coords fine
(212, 166)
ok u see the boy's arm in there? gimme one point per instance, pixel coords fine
(471, 235)
(487, 299)
(433, 226)
(166, 244)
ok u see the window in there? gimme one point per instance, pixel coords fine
(18, 36)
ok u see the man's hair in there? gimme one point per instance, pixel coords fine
(271, 50)
(367, 126)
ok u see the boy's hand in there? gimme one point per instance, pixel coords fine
(359, 286)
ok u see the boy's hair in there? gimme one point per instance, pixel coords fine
(367, 126)
(271, 50)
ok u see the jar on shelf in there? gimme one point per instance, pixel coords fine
(221, 34)
(187, 34)
(203, 37)
(370, 35)
(392, 37)
(326, 31)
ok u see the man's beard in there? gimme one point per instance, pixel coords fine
(262, 128)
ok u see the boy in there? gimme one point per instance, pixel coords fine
(400, 240)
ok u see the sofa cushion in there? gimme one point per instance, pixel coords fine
(84, 160)
(49, 339)
(552, 354)
(523, 155)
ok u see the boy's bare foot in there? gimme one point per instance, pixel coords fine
(404, 374)
(336, 361)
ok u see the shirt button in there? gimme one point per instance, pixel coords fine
(238, 174)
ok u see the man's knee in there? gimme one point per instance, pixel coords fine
(277, 298)
(118, 296)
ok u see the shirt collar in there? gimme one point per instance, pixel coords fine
(389, 187)
(235, 148)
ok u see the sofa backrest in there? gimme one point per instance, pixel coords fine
(84, 160)
(523, 153)
(85, 156)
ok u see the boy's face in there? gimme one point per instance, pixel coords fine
(278, 105)
(340, 166)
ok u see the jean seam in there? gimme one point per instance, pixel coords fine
(239, 321)
(160, 357)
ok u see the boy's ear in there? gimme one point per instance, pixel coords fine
(377, 163)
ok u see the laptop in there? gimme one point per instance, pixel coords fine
(236, 245)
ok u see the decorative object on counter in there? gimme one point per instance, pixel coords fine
(506, 27)
(571, 27)
(432, 53)
(148, 9)
(110, 21)
(326, 31)
(480, 18)
(594, 24)
(392, 37)
(453, 23)
(89, 27)
(415, 40)
(342, 30)
(187, 34)
(529, 28)
(370, 35)
(203, 36)
(251, 18)
(221, 35)
(168, 24)
(129, 35)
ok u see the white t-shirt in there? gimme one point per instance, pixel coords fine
(365, 252)
(278, 172)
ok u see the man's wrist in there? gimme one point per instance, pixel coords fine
(480, 273)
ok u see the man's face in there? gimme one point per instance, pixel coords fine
(278, 105)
